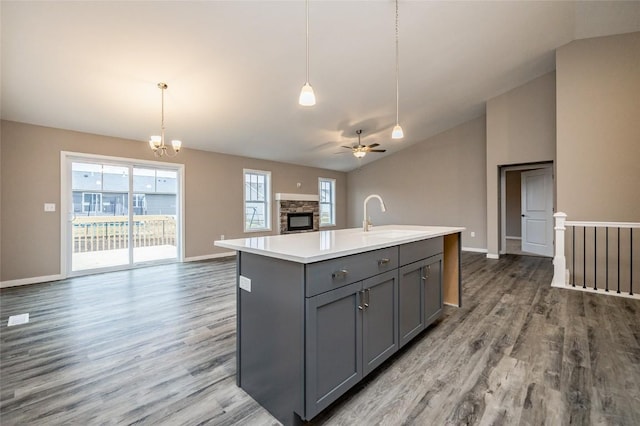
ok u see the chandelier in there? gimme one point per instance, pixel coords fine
(156, 143)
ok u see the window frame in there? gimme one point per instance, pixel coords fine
(267, 199)
(331, 203)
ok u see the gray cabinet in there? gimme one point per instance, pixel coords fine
(333, 345)
(349, 332)
(420, 287)
(411, 297)
(432, 289)
(307, 333)
(380, 319)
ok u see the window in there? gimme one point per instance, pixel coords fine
(327, 193)
(257, 200)
(91, 203)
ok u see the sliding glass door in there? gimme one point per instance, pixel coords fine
(121, 214)
(155, 211)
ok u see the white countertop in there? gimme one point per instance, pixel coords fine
(311, 247)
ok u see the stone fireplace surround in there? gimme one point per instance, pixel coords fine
(295, 203)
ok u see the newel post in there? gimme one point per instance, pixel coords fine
(559, 261)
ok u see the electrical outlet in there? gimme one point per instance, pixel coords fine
(222, 237)
(473, 234)
(49, 207)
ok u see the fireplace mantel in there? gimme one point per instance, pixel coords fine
(296, 197)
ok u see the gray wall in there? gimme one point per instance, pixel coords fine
(213, 193)
(440, 181)
(521, 128)
(598, 148)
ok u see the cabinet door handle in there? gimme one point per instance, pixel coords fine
(366, 303)
(428, 273)
(383, 261)
(339, 274)
(361, 298)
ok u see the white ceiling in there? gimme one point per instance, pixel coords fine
(235, 68)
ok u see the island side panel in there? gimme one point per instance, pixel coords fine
(271, 334)
(452, 278)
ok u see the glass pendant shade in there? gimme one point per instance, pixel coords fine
(176, 144)
(397, 132)
(154, 142)
(307, 97)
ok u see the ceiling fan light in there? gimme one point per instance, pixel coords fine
(307, 97)
(359, 154)
(397, 132)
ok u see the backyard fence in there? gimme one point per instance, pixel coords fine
(97, 233)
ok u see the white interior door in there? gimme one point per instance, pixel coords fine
(537, 212)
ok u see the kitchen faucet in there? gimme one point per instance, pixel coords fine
(366, 223)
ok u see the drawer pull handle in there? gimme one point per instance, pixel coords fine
(383, 261)
(339, 274)
(366, 293)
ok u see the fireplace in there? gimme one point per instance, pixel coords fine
(299, 221)
(298, 213)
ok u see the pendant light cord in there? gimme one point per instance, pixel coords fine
(397, 69)
(162, 120)
(307, 12)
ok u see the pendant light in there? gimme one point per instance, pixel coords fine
(307, 97)
(397, 132)
(156, 143)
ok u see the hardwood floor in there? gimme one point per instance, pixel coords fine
(156, 346)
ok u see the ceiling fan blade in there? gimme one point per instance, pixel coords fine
(377, 150)
(348, 147)
(373, 145)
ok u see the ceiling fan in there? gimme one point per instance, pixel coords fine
(360, 150)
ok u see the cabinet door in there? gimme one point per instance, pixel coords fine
(411, 297)
(333, 345)
(380, 319)
(432, 290)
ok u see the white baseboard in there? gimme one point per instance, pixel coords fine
(493, 256)
(32, 280)
(474, 249)
(513, 238)
(209, 256)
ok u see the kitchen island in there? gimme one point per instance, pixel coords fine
(318, 311)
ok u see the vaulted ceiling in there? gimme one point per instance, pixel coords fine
(235, 68)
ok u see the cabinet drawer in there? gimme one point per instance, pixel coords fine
(417, 250)
(330, 274)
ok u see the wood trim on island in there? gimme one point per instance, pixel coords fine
(451, 274)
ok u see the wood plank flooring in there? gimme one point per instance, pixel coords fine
(156, 346)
